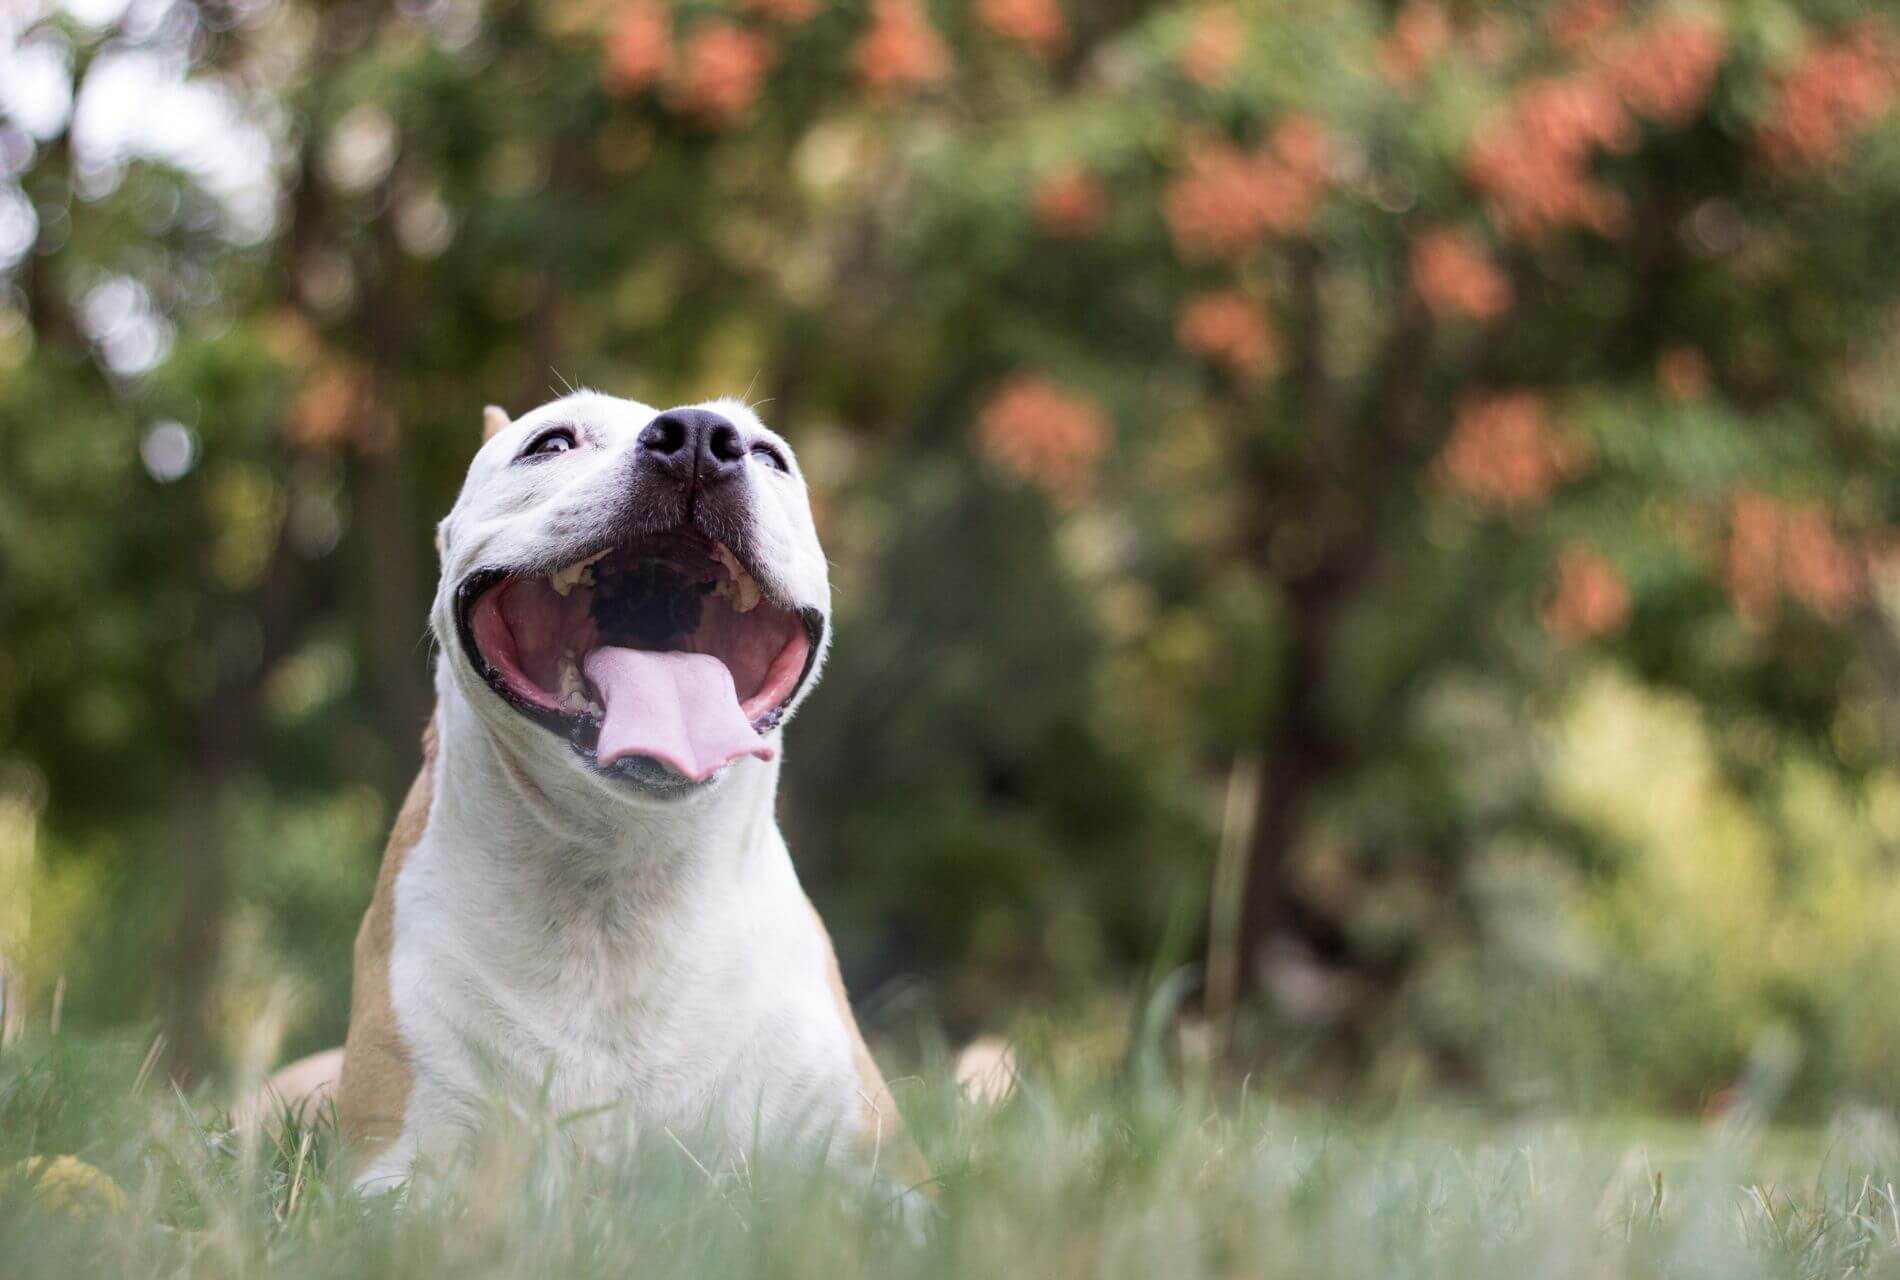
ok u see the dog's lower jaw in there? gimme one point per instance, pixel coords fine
(556, 766)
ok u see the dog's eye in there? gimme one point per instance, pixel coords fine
(559, 440)
(770, 457)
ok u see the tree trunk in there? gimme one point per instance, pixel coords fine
(1297, 755)
(1300, 751)
(389, 536)
(202, 890)
(394, 646)
(226, 735)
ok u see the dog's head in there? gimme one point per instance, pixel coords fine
(646, 586)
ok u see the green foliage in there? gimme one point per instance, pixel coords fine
(1407, 403)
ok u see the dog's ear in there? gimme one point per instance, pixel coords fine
(494, 418)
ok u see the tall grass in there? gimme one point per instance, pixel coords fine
(1108, 1176)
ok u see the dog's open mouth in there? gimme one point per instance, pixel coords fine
(664, 648)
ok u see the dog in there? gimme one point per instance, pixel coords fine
(586, 895)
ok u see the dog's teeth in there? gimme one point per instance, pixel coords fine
(594, 709)
(573, 687)
(738, 586)
(580, 572)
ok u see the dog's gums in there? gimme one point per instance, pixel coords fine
(664, 647)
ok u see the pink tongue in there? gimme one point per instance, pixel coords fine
(679, 708)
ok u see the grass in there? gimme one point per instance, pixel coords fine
(1071, 1177)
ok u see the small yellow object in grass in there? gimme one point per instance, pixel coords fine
(68, 1185)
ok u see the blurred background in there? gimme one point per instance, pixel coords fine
(1364, 530)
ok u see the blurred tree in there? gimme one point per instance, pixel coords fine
(1183, 383)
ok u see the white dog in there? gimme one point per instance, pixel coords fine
(586, 889)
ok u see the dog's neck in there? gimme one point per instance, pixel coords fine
(546, 840)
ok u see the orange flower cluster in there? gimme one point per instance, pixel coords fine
(721, 74)
(1226, 328)
(1047, 436)
(1587, 596)
(1492, 39)
(1683, 373)
(1302, 145)
(1069, 204)
(1228, 198)
(900, 51)
(1455, 277)
(1532, 161)
(1576, 23)
(718, 74)
(1778, 549)
(1664, 69)
(1038, 25)
(1835, 90)
(1213, 45)
(638, 46)
(790, 12)
(1502, 453)
(1419, 34)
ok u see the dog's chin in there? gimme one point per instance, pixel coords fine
(569, 745)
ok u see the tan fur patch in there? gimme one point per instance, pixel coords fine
(887, 1143)
(373, 1095)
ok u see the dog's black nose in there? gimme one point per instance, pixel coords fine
(695, 441)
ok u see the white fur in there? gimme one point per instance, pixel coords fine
(654, 957)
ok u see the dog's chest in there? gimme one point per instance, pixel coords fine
(717, 1023)
(600, 1026)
